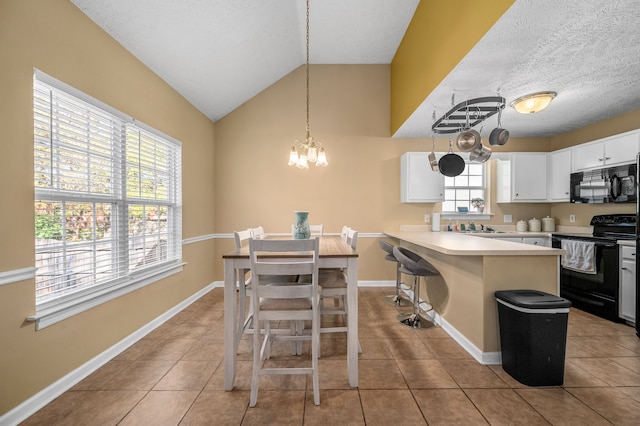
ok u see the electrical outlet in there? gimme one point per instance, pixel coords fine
(572, 218)
(427, 218)
(507, 218)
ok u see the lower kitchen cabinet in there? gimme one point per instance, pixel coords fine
(537, 241)
(627, 305)
(534, 241)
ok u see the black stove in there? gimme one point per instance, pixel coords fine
(610, 227)
(597, 292)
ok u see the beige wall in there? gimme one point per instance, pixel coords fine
(243, 181)
(361, 185)
(55, 37)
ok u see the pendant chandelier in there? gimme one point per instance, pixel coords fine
(308, 150)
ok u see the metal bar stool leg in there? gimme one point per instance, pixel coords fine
(416, 266)
(397, 299)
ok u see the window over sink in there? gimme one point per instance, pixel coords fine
(466, 191)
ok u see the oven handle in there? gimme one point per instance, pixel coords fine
(597, 243)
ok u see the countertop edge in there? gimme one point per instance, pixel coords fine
(466, 245)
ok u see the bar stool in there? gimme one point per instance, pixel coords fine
(397, 299)
(414, 265)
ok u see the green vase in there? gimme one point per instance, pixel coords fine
(301, 230)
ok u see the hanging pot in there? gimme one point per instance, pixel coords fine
(451, 164)
(432, 156)
(468, 141)
(480, 155)
(499, 136)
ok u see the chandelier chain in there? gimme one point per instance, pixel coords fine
(307, 69)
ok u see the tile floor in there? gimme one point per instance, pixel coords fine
(407, 377)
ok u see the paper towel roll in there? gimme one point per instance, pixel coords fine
(435, 225)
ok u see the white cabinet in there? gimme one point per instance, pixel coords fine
(522, 178)
(618, 149)
(418, 183)
(627, 305)
(537, 241)
(560, 175)
(534, 241)
(511, 239)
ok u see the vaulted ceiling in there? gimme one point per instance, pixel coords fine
(220, 53)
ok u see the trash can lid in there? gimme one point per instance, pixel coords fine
(532, 299)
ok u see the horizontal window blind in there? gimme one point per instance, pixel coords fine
(108, 197)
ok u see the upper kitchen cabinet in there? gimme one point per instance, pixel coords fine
(522, 177)
(418, 183)
(560, 175)
(610, 151)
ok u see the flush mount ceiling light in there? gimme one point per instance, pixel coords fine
(309, 150)
(533, 103)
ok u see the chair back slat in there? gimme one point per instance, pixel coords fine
(352, 238)
(299, 257)
(241, 237)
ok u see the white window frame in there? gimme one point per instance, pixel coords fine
(156, 160)
(472, 214)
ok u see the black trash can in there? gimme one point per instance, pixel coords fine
(533, 335)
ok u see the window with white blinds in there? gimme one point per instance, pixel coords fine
(108, 199)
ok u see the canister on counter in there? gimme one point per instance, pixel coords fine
(535, 225)
(522, 226)
(548, 224)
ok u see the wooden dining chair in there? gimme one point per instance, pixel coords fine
(344, 234)
(333, 284)
(241, 239)
(257, 233)
(296, 303)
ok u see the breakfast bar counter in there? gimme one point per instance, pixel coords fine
(472, 268)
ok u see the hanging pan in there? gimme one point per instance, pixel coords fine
(469, 139)
(451, 164)
(432, 156)
(499, 136)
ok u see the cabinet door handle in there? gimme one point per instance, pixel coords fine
(607, 158)
(623, 268)
(600, 159)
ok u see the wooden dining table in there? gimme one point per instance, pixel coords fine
(334, 253)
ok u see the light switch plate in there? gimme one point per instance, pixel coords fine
(507, 218)
(572, 218)
(427, 218)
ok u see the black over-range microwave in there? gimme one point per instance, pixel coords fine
(606, 185)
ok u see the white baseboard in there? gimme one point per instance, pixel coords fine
(485, 358)
(220, 284)
(48, 394)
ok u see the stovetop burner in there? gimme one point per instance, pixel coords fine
(609, 227)
(614, 226)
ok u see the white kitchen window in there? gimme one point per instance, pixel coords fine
(108, 202)
(459, 191)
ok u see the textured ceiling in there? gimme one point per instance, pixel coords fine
(220, 53)
(586, 51)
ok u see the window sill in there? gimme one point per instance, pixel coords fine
(53, 314)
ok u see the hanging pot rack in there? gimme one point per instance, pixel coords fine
(468, 114)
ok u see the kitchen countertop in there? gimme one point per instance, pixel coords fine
(468, 244)
(471, 269)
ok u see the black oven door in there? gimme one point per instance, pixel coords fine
(595, 293)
